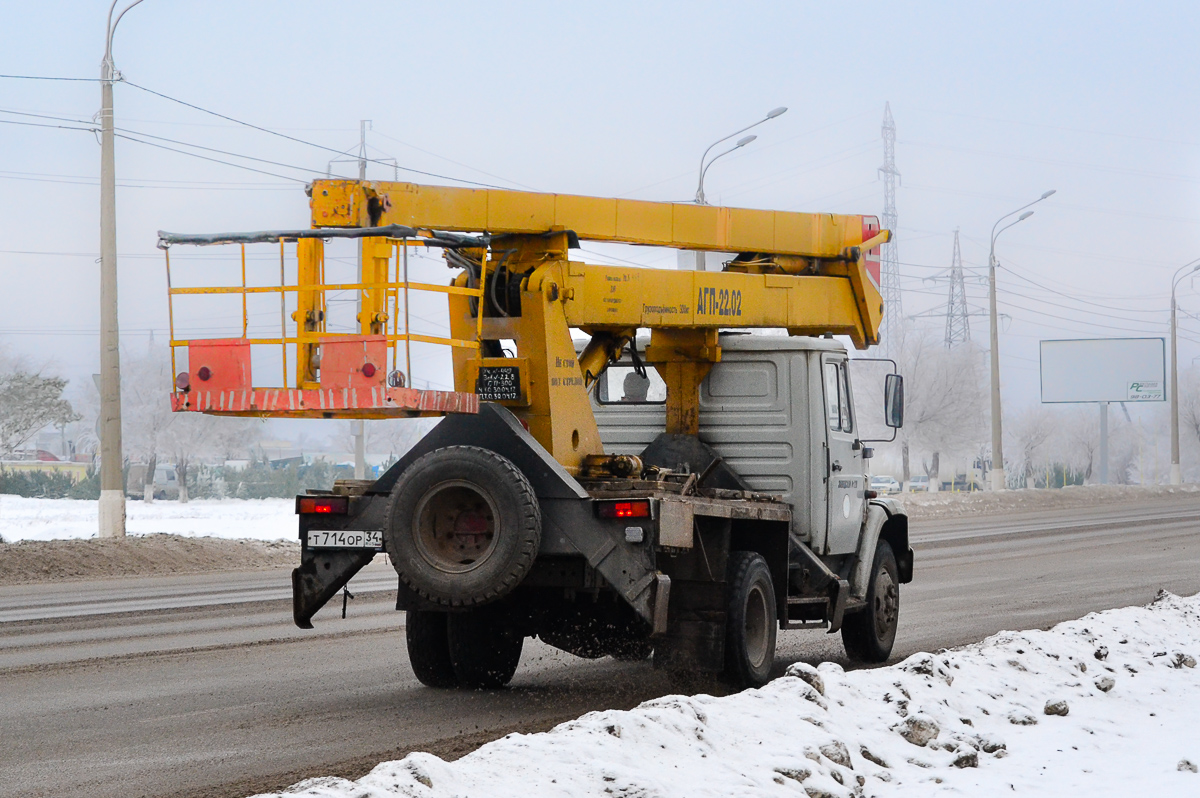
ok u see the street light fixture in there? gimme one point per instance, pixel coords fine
(112, 488)
(705, 163)
(998, 476)
(742, 142)
(703, 168)
(1176, 471)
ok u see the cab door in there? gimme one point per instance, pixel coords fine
(845, 481)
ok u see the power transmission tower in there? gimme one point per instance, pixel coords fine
(889, 334)
(958, 326)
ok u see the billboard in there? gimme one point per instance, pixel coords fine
(1104, 370)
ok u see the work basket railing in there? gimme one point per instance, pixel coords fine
(337, 374)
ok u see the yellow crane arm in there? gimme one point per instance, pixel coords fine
(806, 272)
(353, 203)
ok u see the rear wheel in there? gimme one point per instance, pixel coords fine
(484, 650)
(429, 648)
(464, 526)
(870, 633)
(750, 622)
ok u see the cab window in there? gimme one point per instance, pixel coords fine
(624, 385)
(837, 398)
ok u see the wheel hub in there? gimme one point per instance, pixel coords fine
(455, 526)
(758, 619)
(887, 603)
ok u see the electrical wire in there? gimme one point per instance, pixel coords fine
(1055, 162)
(299, 140)
(214, 160)
(1082, 301)
(39, 124)
(451, 160)
(46, 116)
(218, 151)
(45, 77)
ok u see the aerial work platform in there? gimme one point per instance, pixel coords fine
(810, 273)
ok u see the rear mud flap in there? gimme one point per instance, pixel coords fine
(322, 573)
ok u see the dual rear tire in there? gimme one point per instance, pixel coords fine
(464, 527)
(476, 649)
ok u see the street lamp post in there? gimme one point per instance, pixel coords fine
(112, 488)
(1176, 471)
(998, 476)
(742, 142)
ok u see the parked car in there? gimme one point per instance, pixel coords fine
(885, 484)
(918, 483)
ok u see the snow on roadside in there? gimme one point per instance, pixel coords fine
(1101, 706)
(946, 504)
(57, 519)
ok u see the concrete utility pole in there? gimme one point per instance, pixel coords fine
(998, 476)
(1176, 471)
(112, 484)
(742, 142)
(358, 425)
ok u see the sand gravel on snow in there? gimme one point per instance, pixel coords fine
(1102, 706)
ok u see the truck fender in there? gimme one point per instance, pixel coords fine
(897, 535)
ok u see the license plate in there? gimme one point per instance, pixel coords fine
(343, 539)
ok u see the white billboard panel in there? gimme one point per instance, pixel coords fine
(1104, 370)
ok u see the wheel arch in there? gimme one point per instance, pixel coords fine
(887, 524)
(770, 539)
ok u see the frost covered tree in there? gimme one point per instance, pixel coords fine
(151, 430)
(29, 402)
(1031, 431)
(1078, 440)
(146, 407)
(945, 409)
(193, 437)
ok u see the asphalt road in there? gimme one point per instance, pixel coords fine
(201, 686)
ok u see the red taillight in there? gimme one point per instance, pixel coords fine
(368, 370)
(637, 508)
(322, 505)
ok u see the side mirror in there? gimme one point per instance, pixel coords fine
(893, 401)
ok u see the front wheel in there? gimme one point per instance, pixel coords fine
(750, 622)
(869, 634)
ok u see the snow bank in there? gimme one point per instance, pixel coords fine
(56, 519)
(1106, 705)
(945, 504)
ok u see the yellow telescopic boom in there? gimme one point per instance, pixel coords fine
(808, 273)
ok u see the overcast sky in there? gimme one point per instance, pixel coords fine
(994, 103)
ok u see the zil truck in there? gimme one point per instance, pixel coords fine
(633, 462)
